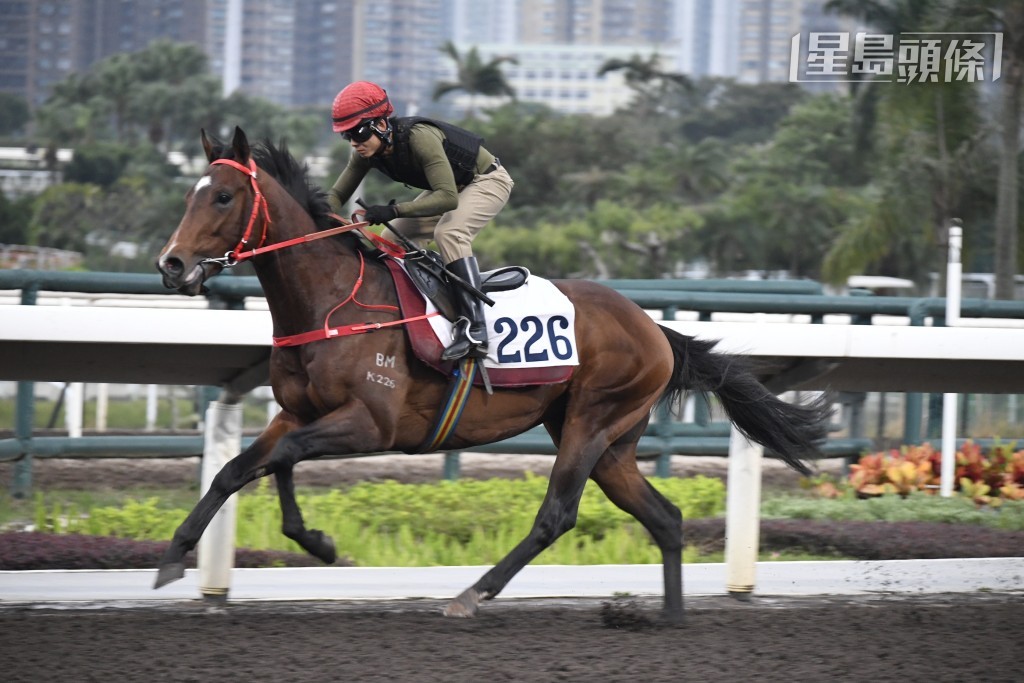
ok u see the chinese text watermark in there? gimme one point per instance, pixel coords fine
(900, 58)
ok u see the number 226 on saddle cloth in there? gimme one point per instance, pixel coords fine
(531, 332)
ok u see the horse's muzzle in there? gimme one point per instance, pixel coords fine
(177, 276)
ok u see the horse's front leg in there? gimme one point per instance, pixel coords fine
(313, 541)
(350, 429)
(250, 464)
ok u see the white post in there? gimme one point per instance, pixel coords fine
(267, 394)
(949, 401)
(216, 550)
(73, 408)
(102, 406)
(742, 514)
(232, 73)
(358, 44)
(272, 410)
(151, 405)
(954, 275)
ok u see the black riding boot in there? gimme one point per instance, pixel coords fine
(471, 328)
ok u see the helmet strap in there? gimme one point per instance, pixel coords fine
(387, 135)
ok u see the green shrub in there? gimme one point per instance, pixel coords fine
(393, 524)
(916, 507)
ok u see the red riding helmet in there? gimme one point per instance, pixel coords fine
(358, 101)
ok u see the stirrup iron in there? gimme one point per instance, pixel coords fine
(464, 344)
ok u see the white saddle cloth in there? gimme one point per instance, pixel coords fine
(532, 326)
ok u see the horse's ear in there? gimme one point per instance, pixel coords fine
(240, 144)
(211, 145)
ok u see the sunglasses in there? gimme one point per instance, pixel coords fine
(360, 133)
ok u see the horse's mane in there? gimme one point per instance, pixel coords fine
(294, 177)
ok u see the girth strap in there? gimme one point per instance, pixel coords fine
(448, 417)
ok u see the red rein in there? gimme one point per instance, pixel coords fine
(327, 332)
(259, 206)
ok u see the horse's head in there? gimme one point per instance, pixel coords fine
(222, 213)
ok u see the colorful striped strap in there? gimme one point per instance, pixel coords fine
(448, 417)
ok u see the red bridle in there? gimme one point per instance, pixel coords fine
(259, 204)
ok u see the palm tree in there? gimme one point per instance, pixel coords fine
(173, 87)
(644, 76)
(889, 17)
(943, 119)
(1006, 17)
(641, 72)
(474, 76)
(116, 79)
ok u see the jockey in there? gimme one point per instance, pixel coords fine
(464, 187)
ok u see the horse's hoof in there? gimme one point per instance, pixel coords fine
(324, 549)
(464, 606)
(168, 573)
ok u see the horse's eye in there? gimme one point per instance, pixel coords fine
(223, 198)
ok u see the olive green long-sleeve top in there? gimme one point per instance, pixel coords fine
(426, 144)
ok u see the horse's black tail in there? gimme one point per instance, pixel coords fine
(790, 431)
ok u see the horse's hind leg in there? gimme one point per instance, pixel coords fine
(617, 475)
(578, 451)
(620, 479)
(315, 542)
(250, 464)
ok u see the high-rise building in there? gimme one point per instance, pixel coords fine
(596, 22)
(708, 36)
(561, 45)
(325, 45)
(765, 30)
(749, 40)
(301, 52)
(263, 55)
(15, 46)
(43, 41)
(401, 41)
(473, 22)
(109, 28)
(563, 77)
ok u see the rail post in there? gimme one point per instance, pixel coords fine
(663, 429)
(949, 400)
(216, 550)
(25, 417)
(742, 515)
(452, 466)
(913, 410)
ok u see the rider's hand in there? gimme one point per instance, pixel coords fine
(381, 213)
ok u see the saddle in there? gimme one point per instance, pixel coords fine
(426, 273)
(423, 289)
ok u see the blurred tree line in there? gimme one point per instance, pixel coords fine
(708, 173)
(122, 118)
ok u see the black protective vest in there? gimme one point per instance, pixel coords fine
(460, 146)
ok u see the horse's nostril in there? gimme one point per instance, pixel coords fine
(172, 266)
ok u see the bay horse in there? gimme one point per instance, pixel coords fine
(627, 364)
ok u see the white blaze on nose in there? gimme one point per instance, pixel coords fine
(202, 182)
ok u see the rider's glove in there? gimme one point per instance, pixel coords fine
(382, 213)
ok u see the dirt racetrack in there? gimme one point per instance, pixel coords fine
(937, 638)
(963, 638)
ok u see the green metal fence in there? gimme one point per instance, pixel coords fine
(663, 438)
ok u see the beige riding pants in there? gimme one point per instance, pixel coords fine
(454, 231)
